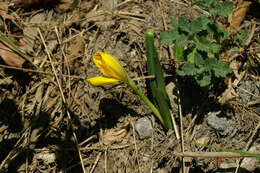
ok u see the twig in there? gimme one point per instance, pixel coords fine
(113, 147)
(211, 154)
(95, 163)
(62, 96)
(249, 143)
(136, 150)
(106, 160)
(181, 128)
(69, 76)
(251, 35)
(122, 3)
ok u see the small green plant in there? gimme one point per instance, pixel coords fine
(242, 37)
(215, 8)
(199, 42)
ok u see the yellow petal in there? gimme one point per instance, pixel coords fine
(99, 80)
(110, 66)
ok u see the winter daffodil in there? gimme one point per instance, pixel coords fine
(110, 67)
(113, 72)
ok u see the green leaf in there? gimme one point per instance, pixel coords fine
(204, 4)
(242, 37)
(218, 34)
(191, 56)
(215, 47)
(222, 9)
(157, 84)
(198, 60)
(181, 40)
(184, 24)
(168, 37)
(221, 69)
(210, 63)
(204, 80)
(203, 44)
(187, 69)
(199, 24)
(163, 105)
(178, 52)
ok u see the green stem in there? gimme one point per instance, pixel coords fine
(132, 85)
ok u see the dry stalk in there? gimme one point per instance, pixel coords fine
(62, 96)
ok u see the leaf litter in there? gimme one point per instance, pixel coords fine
(10, 57)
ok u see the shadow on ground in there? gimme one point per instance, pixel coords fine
(62, 143)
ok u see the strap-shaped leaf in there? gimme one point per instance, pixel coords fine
(157, 84)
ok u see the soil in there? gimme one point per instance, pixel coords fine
(51, 120)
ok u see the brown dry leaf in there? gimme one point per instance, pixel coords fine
(87, 5)
(4, 10)
(108, 5)
(230, 92)
(30, 31)
(65, 5)
(10, 57)
(237, 16)
(111, 136)
(75, 47)
(6, 81)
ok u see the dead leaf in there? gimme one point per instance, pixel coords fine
(4, 11)
(10, 57)
(108, 5)
(66, 5)
(75, 47)
(235, 66)
(111, 136)
(6, 81)
(86, 6)
(237, 16)
(30, 31)
(230, 92)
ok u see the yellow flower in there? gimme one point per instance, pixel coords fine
(110, 67)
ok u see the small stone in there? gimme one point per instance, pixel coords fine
(226, 165)
(249, 90)
(47, 158)
(162, 170)
(245, 88)
(202, 141)
(144, 128)
(220, 123)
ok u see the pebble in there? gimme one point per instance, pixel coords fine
(220, 123)
(144, 128)
(249, 90)
(162, 170)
